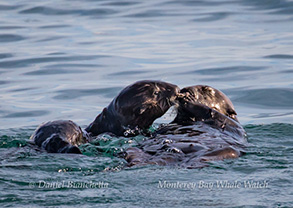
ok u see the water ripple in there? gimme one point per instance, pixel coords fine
(8, 7)
(30, 61)
(91, 49)
(54, 71)
(201, 3)
(280, 56)
(3, 82)
(5, 55)
(34, 113)
(121, 3)
(225, 70)
(271, 115)
(279, 98)
(216, 16)
(77, 93)
(128, 73)
(10, 27)
(54, 11)
(10, 38)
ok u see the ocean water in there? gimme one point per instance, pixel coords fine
(68, 59)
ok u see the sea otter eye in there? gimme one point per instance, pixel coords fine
(156, 92)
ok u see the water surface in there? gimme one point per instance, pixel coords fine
(68, 59)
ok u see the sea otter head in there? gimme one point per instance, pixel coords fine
(210, 97)
(144, 101)
(135, 108)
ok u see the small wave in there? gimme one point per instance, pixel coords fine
(280, 56)
(27, 114)
(27, 62)
(54, 71)
(270, 98)
(212, 16)
(225, 70)
(5, 55)
(10, 38)
(77, 93)
(54, 11)
(8, 7)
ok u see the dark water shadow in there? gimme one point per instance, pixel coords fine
(287, 71)
(2, 82)
(228, 77)
(27, 114)
(9, 7)
(52, 38)
(128, 73)
(150, 14)
(121, 3)
(44, 10)
(10, 27)
(10, 38)
(271, 115)
(5, 55)
(27, 62)
(55, 71)
(282, 7)
(70, 94)
(23, 89)
(212, 16)
(279, 56)
(224, 70)
(54, 26)
(63, 69)
(201, 3)
(276, 98)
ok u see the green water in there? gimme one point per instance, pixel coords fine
(30, 177)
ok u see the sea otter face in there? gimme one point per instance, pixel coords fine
(146, 101)
(135, 108)
(210, 97)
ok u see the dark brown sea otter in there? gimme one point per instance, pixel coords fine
(210, 97)
(198, 134)
(61, 136)
(135, 108)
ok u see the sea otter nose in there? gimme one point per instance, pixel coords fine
(180, 95)
(173, 93)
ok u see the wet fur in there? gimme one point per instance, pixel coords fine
(61, 136)
(211, 97)
(135, 108)
(197, 135)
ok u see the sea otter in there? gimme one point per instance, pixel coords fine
(61, 136)
(135, 108)
(131, 112)
(210, 97)
(198, 134)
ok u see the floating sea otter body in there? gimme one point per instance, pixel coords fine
(62, 136)
(211, 97)
(198, 134)
(132, 112)
(205, 128)
(135, 109)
